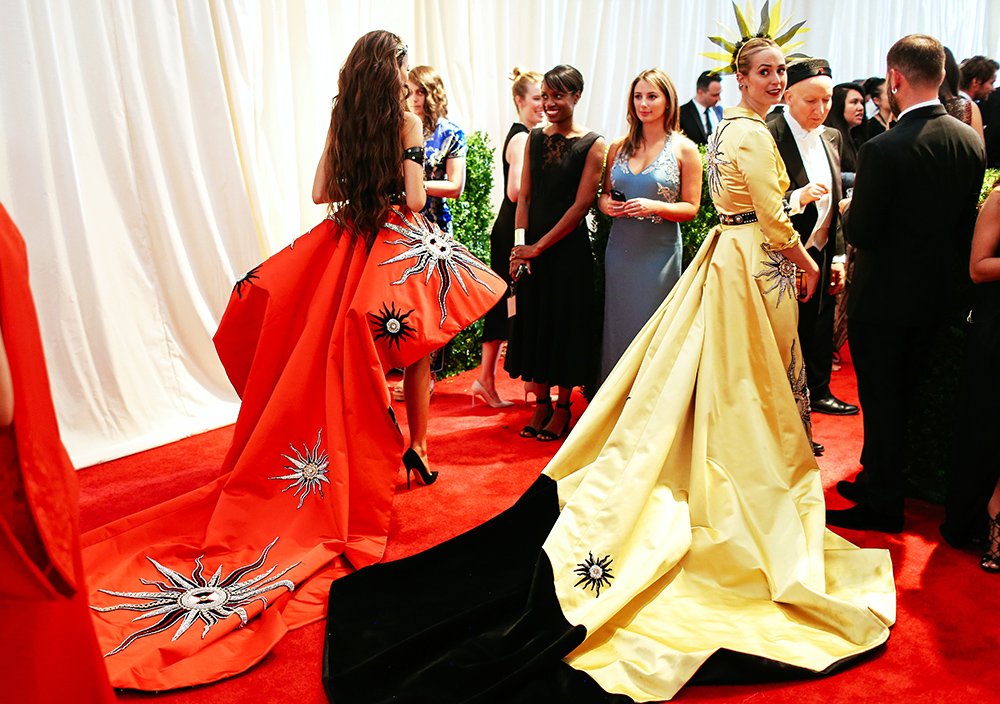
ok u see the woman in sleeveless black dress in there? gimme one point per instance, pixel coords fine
(551, 340)
(496, 324)
(972, 506)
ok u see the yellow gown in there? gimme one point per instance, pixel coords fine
(692, 513)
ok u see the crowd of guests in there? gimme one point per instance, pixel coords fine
(651, 181)
(797, 189)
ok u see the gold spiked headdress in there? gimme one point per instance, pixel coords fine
(770, 25)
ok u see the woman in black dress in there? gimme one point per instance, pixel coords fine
(496, 324)
(972, 506)
(551, 341)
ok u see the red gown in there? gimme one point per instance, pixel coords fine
(48, 650)
(218, 575)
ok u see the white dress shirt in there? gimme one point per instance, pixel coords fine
(713, 119)
(817, 166)
(917, 106)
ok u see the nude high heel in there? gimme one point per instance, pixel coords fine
(492, 401)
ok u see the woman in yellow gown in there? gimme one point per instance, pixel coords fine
(682, 525)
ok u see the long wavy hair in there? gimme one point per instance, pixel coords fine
(671, 113)
(436, 100)
(364, 159)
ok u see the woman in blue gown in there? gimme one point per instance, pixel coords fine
(657, 172)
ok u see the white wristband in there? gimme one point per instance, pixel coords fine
(519, 237)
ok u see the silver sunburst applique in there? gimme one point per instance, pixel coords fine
(714, 160)
(779, 269)
(595, 573)
(434, 251)
(308, 470)
(191, 599)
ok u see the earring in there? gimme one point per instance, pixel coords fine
(894, 91)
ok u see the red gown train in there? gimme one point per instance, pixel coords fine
(203, 586)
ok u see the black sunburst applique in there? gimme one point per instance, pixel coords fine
(595, 573)
(246, 280)
(391, 324)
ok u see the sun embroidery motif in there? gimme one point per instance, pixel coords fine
(391, 324)
(189, 599)
(308, 470)
(800, 391)
(713, 157)
(595, 573)
(780, 270)
(245, 281)
(434, 251)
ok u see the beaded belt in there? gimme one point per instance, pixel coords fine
(738, 219)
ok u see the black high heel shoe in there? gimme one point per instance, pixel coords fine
(547, 435)
(413, 463)
(530, 431)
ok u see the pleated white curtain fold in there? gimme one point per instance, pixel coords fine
(152, 152)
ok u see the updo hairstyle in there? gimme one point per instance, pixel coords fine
(522, 79)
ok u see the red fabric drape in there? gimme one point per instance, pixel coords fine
(48, 650)
(218, 575)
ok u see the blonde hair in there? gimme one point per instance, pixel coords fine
(746, 51)
(436, 100)
(523, 78)
(671, 113)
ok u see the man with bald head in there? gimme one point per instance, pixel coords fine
(812, 159)
(913, 212)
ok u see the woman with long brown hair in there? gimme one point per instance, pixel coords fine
(652, 181)
(359, 177)
(307, 338)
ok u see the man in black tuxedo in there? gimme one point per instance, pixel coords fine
(700, 115)
(914, 206)
(811, 154)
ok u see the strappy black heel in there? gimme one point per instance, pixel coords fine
(530, 431)
(991, 558)
(413, 463)
(547, 435)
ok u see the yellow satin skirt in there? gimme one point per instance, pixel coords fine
(693, 516)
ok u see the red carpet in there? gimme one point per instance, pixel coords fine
(943, 648)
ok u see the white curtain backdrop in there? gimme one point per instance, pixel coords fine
(152, 151)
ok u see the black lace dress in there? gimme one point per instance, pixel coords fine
(552, 339)
(496, 324)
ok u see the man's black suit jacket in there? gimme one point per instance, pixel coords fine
(693, 124)
(790, 154)
(914, 204)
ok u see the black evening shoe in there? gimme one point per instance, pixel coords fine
(818, 449)
(413, 463)
(850, 491)
(861, 517)
(548, 435)
(991, 558)
(530, 431)
(832, 406)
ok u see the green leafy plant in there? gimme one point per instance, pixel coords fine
(693, 231)
(472, 219)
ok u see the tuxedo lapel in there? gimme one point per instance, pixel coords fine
(833, 156)
(789, 151)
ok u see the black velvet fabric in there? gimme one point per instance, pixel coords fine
(476, 620)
